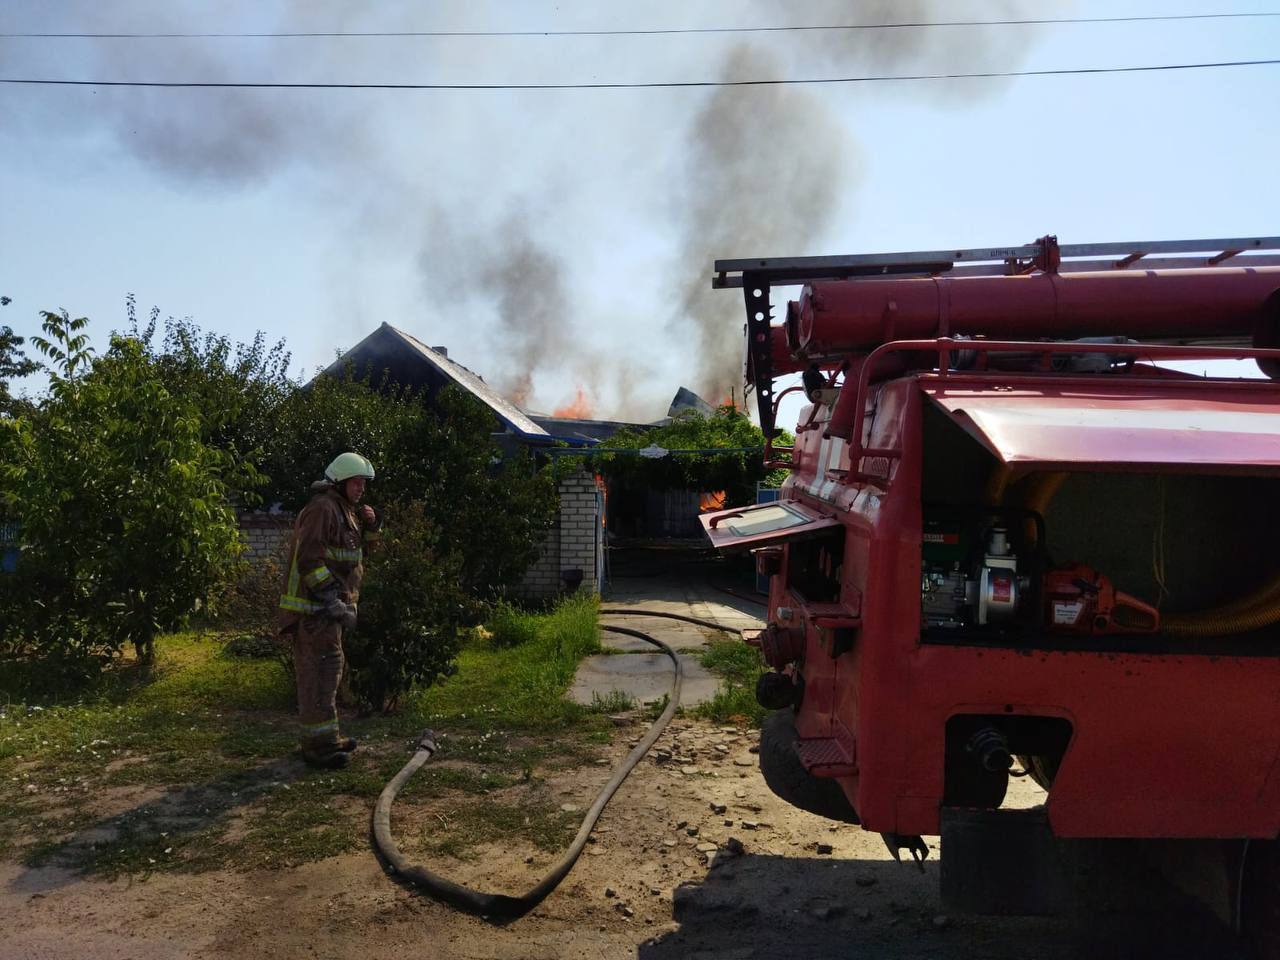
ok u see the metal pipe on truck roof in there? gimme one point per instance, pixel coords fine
(839, 317)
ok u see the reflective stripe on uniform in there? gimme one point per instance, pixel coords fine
(292, 589)
(343, 555)
(299, 604)
(318, 576)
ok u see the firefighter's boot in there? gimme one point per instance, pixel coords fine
(334, 760)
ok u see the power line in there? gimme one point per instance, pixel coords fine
(902, 25)
(227, 84)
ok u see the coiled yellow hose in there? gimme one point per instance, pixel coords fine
(1255, 610)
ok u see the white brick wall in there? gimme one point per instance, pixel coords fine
(570, 543)
(264, 534)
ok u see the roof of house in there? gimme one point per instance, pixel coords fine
(411, 362)
(582, 433)
(407, 358)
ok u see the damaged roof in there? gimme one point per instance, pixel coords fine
(411, 362)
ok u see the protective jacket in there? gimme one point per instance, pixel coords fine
(327, 554)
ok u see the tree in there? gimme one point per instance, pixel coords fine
(238, 387)
(13, 363)
(123, 508)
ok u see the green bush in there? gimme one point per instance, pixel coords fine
(509, 626)
(122, 481)
(249, 609)
(123, 509)
(412, 610)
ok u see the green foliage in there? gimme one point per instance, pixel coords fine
(523, 685)
(122, 507)
(122, 482)
(489, 514)
(736, 473)
(411, 612)
(13, 363)
(218, 726)
(249, 608)
(238, 388)
(510, 626)
(739, 667)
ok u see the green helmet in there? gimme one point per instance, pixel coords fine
(348, 465)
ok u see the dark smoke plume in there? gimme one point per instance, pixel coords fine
(766, 167)
(508, 271)
(762, 170)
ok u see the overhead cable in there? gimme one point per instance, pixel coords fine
(658, 31)
(653, 84)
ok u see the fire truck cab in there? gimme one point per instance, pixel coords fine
(1030, 529)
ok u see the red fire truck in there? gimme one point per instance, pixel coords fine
(1031, 528)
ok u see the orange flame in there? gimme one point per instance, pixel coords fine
(711, 501)
(578, 409)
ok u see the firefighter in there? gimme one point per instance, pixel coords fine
(320, 598)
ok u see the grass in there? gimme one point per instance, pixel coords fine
(193, 768)
(615, 701)
(510, 626)
(537, 821)
(739, 666)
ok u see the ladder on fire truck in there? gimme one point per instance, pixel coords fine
(757, 276)
(1045, 254)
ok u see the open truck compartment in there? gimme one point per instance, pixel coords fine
(1180, 561)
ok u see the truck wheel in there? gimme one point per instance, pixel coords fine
(1042, 769)
(788, 778)
(1260, 900)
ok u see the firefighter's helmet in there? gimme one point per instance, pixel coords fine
(348, 465)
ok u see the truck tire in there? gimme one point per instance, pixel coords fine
(788, 778)
(1260, 904)
(1043, 769)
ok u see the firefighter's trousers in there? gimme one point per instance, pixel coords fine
(317, 663)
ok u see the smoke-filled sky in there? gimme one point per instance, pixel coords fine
(560, 241)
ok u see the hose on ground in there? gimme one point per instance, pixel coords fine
(500, 906)
(667, 616)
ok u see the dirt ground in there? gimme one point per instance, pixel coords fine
(657, 883)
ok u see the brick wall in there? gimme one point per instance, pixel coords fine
(264, 534)
(571, 543)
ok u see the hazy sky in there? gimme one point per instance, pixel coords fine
(556, 240)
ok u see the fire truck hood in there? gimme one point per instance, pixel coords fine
(1193, 425)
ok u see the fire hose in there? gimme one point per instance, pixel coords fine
(1256, 610)
(500, 906)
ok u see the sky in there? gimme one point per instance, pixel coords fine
(561, 241)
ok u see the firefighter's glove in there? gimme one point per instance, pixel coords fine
(344, 613)
(337, 609)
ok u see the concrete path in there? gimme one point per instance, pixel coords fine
(632, 667)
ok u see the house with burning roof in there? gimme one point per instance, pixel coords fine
(574, 551)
